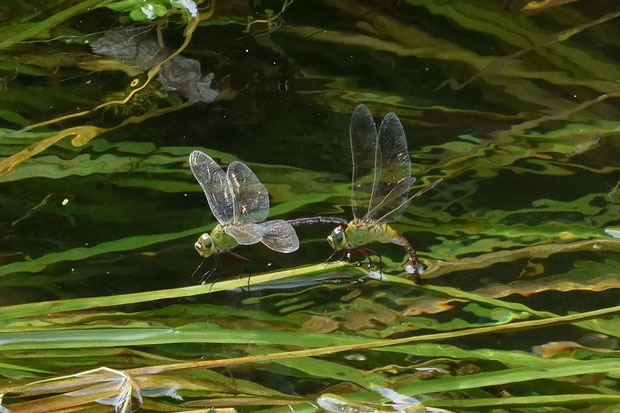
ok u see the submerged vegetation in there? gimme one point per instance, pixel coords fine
(105, 306)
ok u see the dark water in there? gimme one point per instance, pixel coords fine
(517, 112)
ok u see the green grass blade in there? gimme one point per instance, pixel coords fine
(82, 253)
(494, 378)
(48, 307)
(24, 32)
(529, 401)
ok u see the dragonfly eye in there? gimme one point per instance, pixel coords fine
(204, 246)
(337, 239)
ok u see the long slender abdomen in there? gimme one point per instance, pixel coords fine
(317, 220)
(413, 267)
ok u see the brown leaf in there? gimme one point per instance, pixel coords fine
(536, 6)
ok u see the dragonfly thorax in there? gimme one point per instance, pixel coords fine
(218, 240)
(358, 233)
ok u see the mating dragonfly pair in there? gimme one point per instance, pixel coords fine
(380, 194)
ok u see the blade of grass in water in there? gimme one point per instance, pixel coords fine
(27, 31)
(211, 333)
(493, 302)
(329, 343)
(568, 368)
(518, 326)
(494, 378)
(525, 401)
(82, 253)
(49, 307)
(25, 310)
(529, 401)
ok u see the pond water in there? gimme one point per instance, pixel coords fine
(514, 104)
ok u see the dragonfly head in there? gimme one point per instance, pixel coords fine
(205, 245)
(337, 239)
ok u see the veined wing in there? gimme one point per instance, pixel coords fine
(393, 203)
(392, 174)
(251, 201)
(363, 137)
(215, 185)
(280, 236)
(246, 233)
(400, 209)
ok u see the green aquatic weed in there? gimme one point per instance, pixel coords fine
(145, 10)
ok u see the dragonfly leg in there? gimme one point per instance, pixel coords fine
(367, 252)
(346, 256)
(198, 267)
(330, 257)
(248, 281)
(205, 277)
(364, 253)
(217, 263)
(241, 274)
(413, 265)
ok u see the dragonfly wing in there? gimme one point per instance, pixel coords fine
(363, 137)
(246, 233)
(392, 177)
(280, 236)
(215, 185)
(251, 198)
(398, 211)
(392, 203)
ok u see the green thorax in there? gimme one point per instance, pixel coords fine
(221, 239)
(360, 233)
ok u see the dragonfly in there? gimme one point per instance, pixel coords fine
(381, 182)
(240, 203)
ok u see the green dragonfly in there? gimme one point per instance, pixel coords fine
(380, 186)
(240, 203)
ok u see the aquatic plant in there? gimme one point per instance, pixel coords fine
(145, 10)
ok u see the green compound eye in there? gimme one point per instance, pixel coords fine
(204, 245)
(337, 239)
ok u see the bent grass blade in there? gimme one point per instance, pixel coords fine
(436, 268)
(25, 310)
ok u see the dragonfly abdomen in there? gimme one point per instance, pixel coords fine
(317, 220)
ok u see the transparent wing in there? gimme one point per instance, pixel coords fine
(251, 198)
(399, 210)
(392, 170)
(246, 233)
(393, 203)
(363, 137)
(280, 236)
(215, 185)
